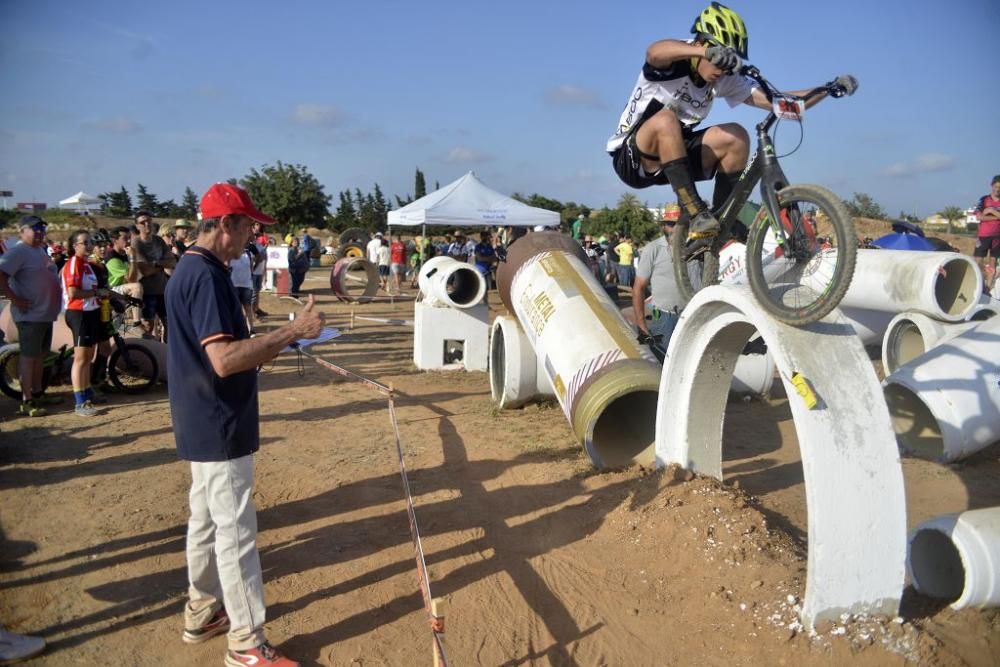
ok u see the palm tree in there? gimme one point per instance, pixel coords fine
(951, 213)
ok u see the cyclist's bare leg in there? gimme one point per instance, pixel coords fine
(725, 150)
(661, 136)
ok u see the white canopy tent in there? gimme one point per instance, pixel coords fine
(80, 202)
(468, 203)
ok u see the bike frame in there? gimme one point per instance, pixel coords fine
(763, 168)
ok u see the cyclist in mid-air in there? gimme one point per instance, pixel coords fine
(657, 141)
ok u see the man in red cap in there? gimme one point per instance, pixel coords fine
(216, 426)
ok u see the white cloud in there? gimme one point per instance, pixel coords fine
(317, 115)
(116, 125)
(922, 164)
(466, 155)
(570, 95)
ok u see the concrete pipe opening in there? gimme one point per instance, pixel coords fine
(905, 343)
(624, 430)
(917, 431)
(464, 286)
(936, 565)
(498, 365)
(956, 286)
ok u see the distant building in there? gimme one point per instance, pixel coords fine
(31, 206)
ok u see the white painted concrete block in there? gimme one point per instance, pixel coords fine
(435, 326)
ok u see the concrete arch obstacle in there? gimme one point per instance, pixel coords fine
(853, 478)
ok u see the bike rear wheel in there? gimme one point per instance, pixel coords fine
(133, 369)
(800, 280)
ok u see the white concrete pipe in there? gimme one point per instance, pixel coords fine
(604, 380)
(853, 478)
(449, 282)
(944, 285)
(945, 404)
(957, 557)
(869, 325)
(911, 334)
(986, 308)
(515, 376)
(753, 375)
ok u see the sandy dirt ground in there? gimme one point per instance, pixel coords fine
(542, 559)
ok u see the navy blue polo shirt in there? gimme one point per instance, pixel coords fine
(215, 419)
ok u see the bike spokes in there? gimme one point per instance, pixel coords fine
(806, 260)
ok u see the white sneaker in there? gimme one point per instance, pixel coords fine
(85, 409)
(15, 647)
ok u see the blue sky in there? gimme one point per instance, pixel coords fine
(174, 94)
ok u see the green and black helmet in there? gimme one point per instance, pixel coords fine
(720, 25)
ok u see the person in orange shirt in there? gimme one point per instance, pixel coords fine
(82, 298)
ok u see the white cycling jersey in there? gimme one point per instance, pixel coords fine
(673, 88)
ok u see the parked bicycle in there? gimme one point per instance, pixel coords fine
(131, 368)
(801, 247)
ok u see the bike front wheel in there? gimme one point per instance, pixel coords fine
(133, 369)
(801, 265)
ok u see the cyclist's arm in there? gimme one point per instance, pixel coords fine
(758, 99)
(638, 303)
(666, 51)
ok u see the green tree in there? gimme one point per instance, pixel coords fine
(419, 185)
(145, 200)
(116, 204)
(951, 214)
(863, 206)
(630, 216)
(288, 193)
(189, 204)
(346, 215)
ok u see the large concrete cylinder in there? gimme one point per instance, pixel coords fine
(911, 334)
(945, 404)
(956, 557)
(515, 375)
(447, 281)
(944, 285)
(354, 279)
(605, 382)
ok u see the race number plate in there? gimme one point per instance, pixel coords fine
(789, 109)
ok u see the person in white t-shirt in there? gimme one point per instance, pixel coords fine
(371, 250)
(655, 141)
(242, 277)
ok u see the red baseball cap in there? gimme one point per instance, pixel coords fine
(227, 199)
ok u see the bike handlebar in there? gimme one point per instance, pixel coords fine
(832, 88)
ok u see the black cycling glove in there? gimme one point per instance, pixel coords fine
(723, 57)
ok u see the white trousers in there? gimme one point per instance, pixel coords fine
(223, 563)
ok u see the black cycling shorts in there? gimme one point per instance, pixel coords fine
(987, 245)
(87, 327)
(628, 165)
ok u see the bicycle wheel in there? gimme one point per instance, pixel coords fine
(697, 272)
(10, 379)
(803, 278)
(133, 369)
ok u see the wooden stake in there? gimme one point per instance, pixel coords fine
(351, 327)
(439, 607)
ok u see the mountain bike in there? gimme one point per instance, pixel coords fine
(801, 247)
(131, 368)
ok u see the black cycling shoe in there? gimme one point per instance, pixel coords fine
(702, 225)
